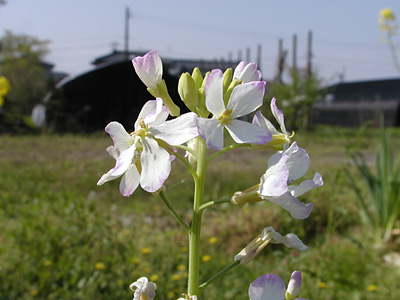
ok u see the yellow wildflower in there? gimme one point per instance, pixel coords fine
(206, 258)
(146, 251)
(176, 277)
(99, 266)
(387, 14)
(212, 240)
(171, 295)
(153, 277)
(181, 267)
(322, 285)
(372, 288)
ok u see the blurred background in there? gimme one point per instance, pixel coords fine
(66, 72)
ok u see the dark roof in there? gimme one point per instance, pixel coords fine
(387, 89)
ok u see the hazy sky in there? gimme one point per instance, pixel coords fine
(346, 38)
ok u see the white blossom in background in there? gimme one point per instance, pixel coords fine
(245, 98)
(269, 287)
(268, 235)
(139, 157)
(247, 72)
(144, 289)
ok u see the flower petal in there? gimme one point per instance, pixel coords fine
(107, 177)
(278, 114)
(129, 181)
(267, 287)
(212, 132)
(262, 121)
(296, 208)
(247, 73)
(149, 69)
(244, 132)
(246, 98)
(274, 181)
(156, 165)
(214, 92)
(124, 161)
(307, 185)
(298, 162)
(290, 240)
(122, 140)
(153, 113)
(176, 131)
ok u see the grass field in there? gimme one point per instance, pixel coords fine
(62, 237)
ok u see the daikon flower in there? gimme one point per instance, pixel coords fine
(268, 235)
(247, 73)
(245, 98)
(144, 289)
(271, 287)
(139, 156)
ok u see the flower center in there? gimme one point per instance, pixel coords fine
(225, 117)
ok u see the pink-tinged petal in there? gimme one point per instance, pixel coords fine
(294, 284)
(156, 166)
(246, 98)
(307, 185)
(122, 140)
(298, 162)
(297, 209)
(149, 69)
(262, 121)
(244, 132)
(153, 113)
(113, 151)
(274, 181)
(107, 177)
(212, 132)
(278, 114)
(129, 181)
(177, 131)
(247, 73)
(213, 88)
(124, 161)
(267, 287)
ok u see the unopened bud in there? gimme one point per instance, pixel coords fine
(229, 90)
(227, 79)
(188, 91)
(293, 289)
(197, 77)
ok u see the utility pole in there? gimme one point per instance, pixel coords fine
(281, 61)
(127, 16)
(259, 56)
(294, 53)
(309, 53)
(248, 55)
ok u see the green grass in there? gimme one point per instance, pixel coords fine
(62, 237)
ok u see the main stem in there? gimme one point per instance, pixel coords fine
(194, 232)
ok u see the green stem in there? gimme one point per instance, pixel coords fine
(214, 202)
(223, 271)
(231, 147)
(173, 212)
(194, 233)
(186, 163)
(188, 149)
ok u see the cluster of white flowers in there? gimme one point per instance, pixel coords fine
(143, 157)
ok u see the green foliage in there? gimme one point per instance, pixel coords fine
(296, 98)
(61, 237)
(22, 64)
(379, 195)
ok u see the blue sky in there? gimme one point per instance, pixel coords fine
(346, 38)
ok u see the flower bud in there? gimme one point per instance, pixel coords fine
(229, 90)
(188, 91)
(197, 77)
(227, 78)
(202, 108)
(294, 285)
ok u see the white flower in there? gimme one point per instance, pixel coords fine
(139, 156)
(247, 73)
(279, 139)
(149, 68)
(283, 167)
(144, 289)
(269, 287)
(268, 235)
(294, 285)
(245, 98)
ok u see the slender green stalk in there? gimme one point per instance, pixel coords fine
(214, 202)
(231, 147)
(187, 164)
(223, 271)
(194, 233)
(173, 212)
(188, 149)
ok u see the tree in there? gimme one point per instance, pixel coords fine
(23, 66)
